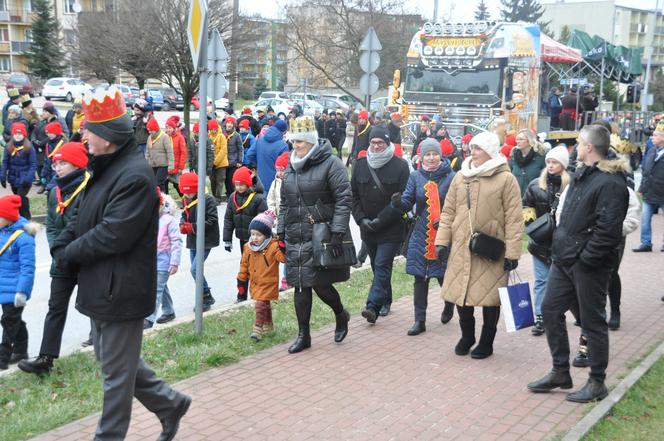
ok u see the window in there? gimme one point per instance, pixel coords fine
(4, 34)
(5, 65)
(54, 82)
(69, 6)
(28, 35)
(69, 37)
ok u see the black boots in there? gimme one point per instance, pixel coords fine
(341, 330)
(594, 390)
(552, 380)
(467, 336)
(538, 327)
(208, 300)
(484, 348)
(302, 342)
(417, 328)
(448, 313)
(39, 366)
(385, 310)
(614, 321)
(369, 314)
(170, 425)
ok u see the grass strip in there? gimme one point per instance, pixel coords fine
(30, 405)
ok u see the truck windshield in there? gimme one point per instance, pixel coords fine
(427, 81)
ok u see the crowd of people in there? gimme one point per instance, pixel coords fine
(458, 214)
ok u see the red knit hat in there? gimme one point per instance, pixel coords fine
(196, 128)
(506, 150)
(74, 153)
(19, 128)
(188, 183)
(173, 121)
(152, 125)
(244, 124)
(465, 139)
(282, 160)
(446, 147)
(242, 176)
(398, 151)
(213, 124)
(9, 206)
(363, 115)
(54, 128)
(230, 119)
(246, 111)
(362, 154)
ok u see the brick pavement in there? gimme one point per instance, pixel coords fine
(382, 384)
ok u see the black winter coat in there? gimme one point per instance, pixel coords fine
(395, 133)
(237, 219)
(370, 202)
(652, 183)
(211, 223)
(360, 139)
(341, 133)
(541, 201)
(590, 227)
(326, 194)
(331, 133)
(112, 238)
(235, 149)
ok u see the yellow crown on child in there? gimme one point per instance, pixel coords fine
(302, 124)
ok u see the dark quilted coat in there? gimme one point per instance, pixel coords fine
(238, 220)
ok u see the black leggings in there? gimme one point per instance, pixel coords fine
(490, 314)
(303, 300)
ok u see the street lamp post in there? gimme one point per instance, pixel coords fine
(644, 95)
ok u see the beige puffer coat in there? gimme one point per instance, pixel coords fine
(495, 201)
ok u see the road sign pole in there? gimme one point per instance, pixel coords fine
(202, 167)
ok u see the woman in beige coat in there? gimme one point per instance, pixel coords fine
(495, 209)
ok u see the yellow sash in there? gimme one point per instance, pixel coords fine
(12, 238)
(62, 141)
(60, 209)
(156, 139)
(365, 129)
(17, 149)
(246, 203)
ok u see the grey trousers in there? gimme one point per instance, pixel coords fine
(118, 347)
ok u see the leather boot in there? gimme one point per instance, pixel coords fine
(417, 328)
(208, 300)
(614, 321)
(485, 347)
(302, 342)
(552, 380)
(341, 329)
(594, 390)
(467, 336)
(448, 313)
(39, 366)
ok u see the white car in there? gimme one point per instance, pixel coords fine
(66, 88)
(307, 96)
(280, 105)
(310, 107)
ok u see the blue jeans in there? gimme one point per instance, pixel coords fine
(163, 296)
(192, 255)
(541, 269)
(646, 228)
(382, 257)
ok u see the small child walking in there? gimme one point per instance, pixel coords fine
(243, 205)
(260, 269)
(169, 248)
(17, 276)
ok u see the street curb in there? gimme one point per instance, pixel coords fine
(593, 417)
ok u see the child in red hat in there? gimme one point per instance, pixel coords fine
(71, 179)
(159, 153)
(172, 129)
(243, 205)
(189, 190)
(17, 273)
(248, 139)
(53, 131)
(220, 165)
(274, 199)
(19, 163)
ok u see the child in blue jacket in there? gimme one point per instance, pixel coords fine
(17, 275)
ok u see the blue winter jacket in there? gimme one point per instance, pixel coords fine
(416, 262)
(19, 170)
(17, 263)
(264, 152)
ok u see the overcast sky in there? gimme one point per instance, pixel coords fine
(456, 9)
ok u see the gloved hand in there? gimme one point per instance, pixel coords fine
(395, 200)
(228, 246)
(172, 269)
(442, 253)
(365, 226)
(3, 183)
(282, 245)
(510, 264)
(335, 243)
(20, 299)
(186, 228)
(240, 287)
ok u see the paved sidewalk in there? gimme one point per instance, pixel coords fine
(382, 384)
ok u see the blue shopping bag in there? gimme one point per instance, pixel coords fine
(517, 306)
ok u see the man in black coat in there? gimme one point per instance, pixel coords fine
(361, 136)
(112, 243)
(341, 133)
(652, 188)
(377, 180)
(584, 253)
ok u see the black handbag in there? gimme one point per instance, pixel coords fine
(541, 229)
(482, 244)
(321, 237)
(410, 227)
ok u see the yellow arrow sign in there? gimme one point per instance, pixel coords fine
(196, 32)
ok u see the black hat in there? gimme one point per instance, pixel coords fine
(380, 131)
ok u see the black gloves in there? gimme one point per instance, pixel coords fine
(395, 200)
(510, 264)
(335, 244)
(442, 253)
(365, 226)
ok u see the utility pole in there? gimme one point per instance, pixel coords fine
(273, 55)
(233, 74)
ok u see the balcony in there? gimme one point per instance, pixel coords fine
(4, 47)
(19, 47)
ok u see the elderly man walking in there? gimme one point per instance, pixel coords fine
(111, 242)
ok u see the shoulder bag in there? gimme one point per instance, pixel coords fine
(481, 244)
(541, 229)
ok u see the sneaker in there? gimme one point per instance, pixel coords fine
(643, 249)
(165, 318)
(538, 327)
(581, 360)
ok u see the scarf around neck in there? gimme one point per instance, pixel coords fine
(521, 160)
(469, 171)
(298, 163)
(261, 246)
(378, 160)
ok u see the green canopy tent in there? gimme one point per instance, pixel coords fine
(612, 62)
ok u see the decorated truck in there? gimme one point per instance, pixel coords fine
(471, 74)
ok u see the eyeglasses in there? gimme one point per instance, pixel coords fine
(377, 143)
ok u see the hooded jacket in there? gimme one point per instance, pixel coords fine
(18, 169)
(261, 269)
(264, 153)
(17, 262)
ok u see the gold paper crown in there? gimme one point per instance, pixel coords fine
(104, 106)
(302, 124)
(13, 92)
(660, 127)
(25, 98)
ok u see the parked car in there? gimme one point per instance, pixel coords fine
(130, 94)
(269, 94)
(333, 104)
(310, 107)
(305, 96)
(281, 106)
(172, 99)
(379, 104)
(24, 83)
(345, 98)
(157, 98)
(66, 88)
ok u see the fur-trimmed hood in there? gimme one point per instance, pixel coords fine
(614, 166)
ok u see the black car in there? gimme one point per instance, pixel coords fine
(172, 99)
